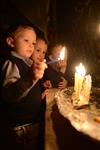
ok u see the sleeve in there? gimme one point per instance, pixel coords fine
(14, 88)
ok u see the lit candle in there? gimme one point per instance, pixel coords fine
(62, 54)
(82, 86)
(79, 78)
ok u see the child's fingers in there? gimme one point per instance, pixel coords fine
(38, 69)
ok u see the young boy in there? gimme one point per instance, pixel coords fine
(40, 49)
(21, 90)
(56, 71)
(39, 54)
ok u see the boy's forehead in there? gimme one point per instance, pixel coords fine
(23, 29)
(57, 48)
(41, 42)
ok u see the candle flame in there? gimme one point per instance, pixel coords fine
(80, 69)
(62, 54)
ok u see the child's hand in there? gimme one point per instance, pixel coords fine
(45, 93)
(47, 84)
(63, 83)
(62, 64)
(38, 69)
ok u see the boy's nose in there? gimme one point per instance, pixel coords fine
(31, 45)
(41, 58)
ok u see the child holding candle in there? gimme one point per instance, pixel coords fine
(56, 71)
(20, 106)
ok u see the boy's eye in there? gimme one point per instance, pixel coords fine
(44, 53)
(26, 40)
(34, 44)
(37, 50)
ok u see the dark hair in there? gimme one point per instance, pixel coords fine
(41, 35)
(53, 45)
(12, 29)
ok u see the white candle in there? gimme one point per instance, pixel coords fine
(82, 86)
(79, 78)
(86, 90)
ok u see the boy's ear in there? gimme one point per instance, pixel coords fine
(10, 41)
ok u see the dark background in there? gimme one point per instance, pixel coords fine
(73, 22)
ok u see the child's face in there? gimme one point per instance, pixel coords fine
(24, 41)
(39, 51)
(56, 52)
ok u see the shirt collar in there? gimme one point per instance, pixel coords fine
(28, 61)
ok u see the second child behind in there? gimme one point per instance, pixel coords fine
(39, 53)
(56, 72)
